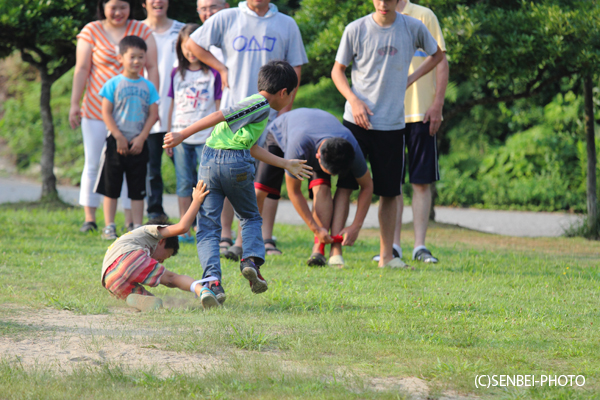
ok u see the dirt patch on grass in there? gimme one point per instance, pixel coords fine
(67, 340)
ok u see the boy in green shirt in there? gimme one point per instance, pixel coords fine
(227, 167)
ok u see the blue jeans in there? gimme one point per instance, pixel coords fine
(186, 158)
(228, 173)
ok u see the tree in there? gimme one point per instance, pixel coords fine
(44, 34)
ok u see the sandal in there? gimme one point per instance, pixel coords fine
(224, 247)
(186, 238)
(425, 256)
(317, 260)
(272, 251)
(397, 263)
(234, 253)
(336, 261)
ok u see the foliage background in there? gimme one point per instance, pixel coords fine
(522, 153)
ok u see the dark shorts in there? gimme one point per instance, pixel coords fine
(422, 154)
(269, 178)
(385, 152)
(111, 178)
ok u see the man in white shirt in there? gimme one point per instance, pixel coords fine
(206, 9)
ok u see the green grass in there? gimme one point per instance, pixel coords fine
(494, 304)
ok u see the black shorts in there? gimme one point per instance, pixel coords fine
(385, 152)
(422, 154)
(111, 178)
(269, 178)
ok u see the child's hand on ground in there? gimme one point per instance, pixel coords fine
(172, 139)
(299, 169)
(136, 145)
(200, 192)
(122, 145)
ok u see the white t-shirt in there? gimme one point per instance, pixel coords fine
(248, 42)
(194, 97)
(166, 56)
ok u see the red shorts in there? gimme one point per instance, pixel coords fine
(130, 271)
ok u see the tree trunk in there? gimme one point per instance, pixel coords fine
(592, 199)
(49, 192)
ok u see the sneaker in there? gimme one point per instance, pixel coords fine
(88, 226)
(186, 238)
(109, 232)
(130, 227)
(217, 289)
(425, 256)
(394, 252)
(208, 298)
(258, 284)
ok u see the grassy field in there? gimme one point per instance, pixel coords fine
(493, 305)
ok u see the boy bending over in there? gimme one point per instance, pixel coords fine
(227, 167)
(135, 259)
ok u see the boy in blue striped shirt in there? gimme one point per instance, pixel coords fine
(227, 167)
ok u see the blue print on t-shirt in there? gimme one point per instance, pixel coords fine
(242, 43)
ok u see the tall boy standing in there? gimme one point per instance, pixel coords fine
(381, 46)
(129, 109)
(227, 167)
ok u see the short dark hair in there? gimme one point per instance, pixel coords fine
(132, 42)
(337, 155)
(276, 75)
(171, 242)
(100, 9)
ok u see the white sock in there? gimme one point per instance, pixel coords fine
(205, 281)
(417, 249)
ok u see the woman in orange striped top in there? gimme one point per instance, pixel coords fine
(97, 50)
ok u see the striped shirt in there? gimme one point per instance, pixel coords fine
(243, 125)
(104, 62)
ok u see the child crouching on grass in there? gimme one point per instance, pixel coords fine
(227, 166)
(135, 260)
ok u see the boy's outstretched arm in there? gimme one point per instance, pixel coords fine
(298, 168)
(188, 219)
(172, 139)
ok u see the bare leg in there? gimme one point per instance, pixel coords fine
(128, 216)
(341, 208)
(184, 203)
(137, 212)
(388, 207)
(227, 219)
(322, 208)
(90, 214)
(183, 282)
(421, 205)
(110, 209)
(398, 229)
(268, 213)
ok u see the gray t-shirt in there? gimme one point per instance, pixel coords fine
(248, 42)
(131, 101)
(143, 238)
(300, 132)
(380, 60)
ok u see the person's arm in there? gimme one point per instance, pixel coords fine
(298, 168)
(83, 65)
(429, 64)
(152, 62)
(350, 233)
(172, 139)
(111, 125)
(189, 217)
(137, 143)
(209, 59)
(360, 111)
(301, 206)
(434, 112)
(287, 108)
